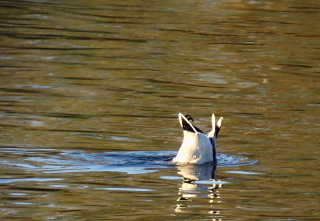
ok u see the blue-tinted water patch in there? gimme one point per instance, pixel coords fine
(130, 162)
(2, 181)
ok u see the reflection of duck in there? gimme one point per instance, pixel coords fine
(190, 190)
(197, 148)
(197, 172)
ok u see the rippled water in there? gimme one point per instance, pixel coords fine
(90, 94)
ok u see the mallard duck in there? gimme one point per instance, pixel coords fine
(197, 147)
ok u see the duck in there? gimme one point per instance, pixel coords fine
(197, 147)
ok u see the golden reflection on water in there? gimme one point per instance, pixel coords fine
(112, 76)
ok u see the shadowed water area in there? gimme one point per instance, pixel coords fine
(90, 93)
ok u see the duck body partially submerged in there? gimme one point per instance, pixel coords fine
(197, 147)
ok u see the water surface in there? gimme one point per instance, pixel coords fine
(90, 95)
